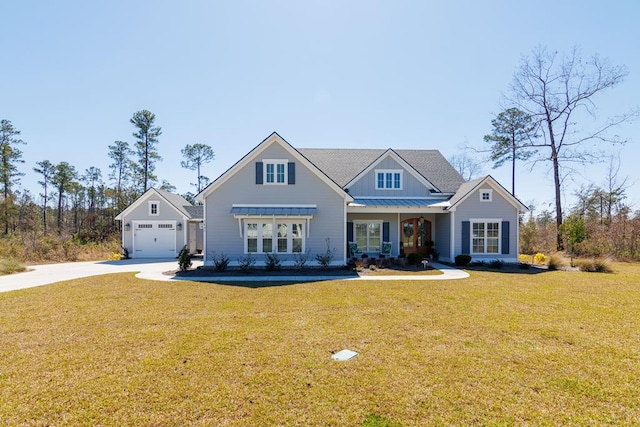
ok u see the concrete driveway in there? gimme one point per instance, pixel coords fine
(46, 274)
(152, 269)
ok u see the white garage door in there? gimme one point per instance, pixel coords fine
(154, 239)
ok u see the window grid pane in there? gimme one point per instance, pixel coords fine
(380, 180)
(282, 237)
(396, 180)
(267, 237)
(389, 181)
(270, 172)
(252, 237)
(280, 176)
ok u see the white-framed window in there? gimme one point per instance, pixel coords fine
(486, 195)
(275, 171)
(485, 236)
(280, 236)
(388, 179)
(154, 208)
(368, 235)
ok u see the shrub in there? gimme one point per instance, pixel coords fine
(114, 256)
(462, 259)
(555, 262)
(523, 258)
(272, 262)
(414, 258)
(539, 258)
(372, 267)
(184, 259)
(10, 266)
(300, 259)
(594, 266)
(496, 263)
(246, 263)
(325, 259)
(220, 261)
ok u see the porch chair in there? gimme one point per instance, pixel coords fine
(353, 249)
(386, 249)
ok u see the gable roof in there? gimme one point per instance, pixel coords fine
(274, 138)
(175, 200)
(343, 165)
(467, 188)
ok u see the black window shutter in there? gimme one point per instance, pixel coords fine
(258, 172)
(466, 237)
(505, 237)
(349, 232)
(292, 173)
(385, 231)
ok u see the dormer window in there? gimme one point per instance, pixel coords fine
(388, 179)
(275, 172)
(486, 195)
(154, 209)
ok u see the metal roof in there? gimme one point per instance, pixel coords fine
(397, 202)
(275, 210)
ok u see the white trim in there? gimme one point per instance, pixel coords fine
(406, 166)
(452, 239)
(254, 154)
(151, 203)
(274, 236)
(384, 172)
(489, 193)
(485, 221)
(275, 163)
(496, 186)
(174, 230)
(367, 222)
(271, 205)
(434, 197)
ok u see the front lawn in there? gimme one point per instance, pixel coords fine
(552, 348)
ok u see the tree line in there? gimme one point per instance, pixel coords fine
(82, 204)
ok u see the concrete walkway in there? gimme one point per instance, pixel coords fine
(152, 269)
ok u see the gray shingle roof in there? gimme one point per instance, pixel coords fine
(342, 165)
(180, 203)
(195, 212)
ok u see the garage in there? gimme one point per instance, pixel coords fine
(154, 239)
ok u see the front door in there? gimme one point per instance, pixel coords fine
(416, 236)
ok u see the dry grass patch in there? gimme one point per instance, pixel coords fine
(499, 348)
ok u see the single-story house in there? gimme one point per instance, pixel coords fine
(286, 201)
(158, 225)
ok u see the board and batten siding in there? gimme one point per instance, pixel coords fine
(366, 185)
(223, 231)
(497, 208)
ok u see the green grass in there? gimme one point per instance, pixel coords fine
(499, 348)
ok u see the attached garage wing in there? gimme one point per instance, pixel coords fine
(154, 239)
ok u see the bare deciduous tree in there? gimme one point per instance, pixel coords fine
(559, 92)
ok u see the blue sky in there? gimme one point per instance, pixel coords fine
(360, 74)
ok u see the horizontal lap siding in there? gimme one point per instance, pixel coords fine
(223, 233)
(442, 236)
(140, 213)
(498, 208)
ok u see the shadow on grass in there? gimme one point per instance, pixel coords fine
(261, 278)
(507, 269)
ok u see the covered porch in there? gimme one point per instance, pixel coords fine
(398, 228)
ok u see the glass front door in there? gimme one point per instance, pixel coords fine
(416, 236)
